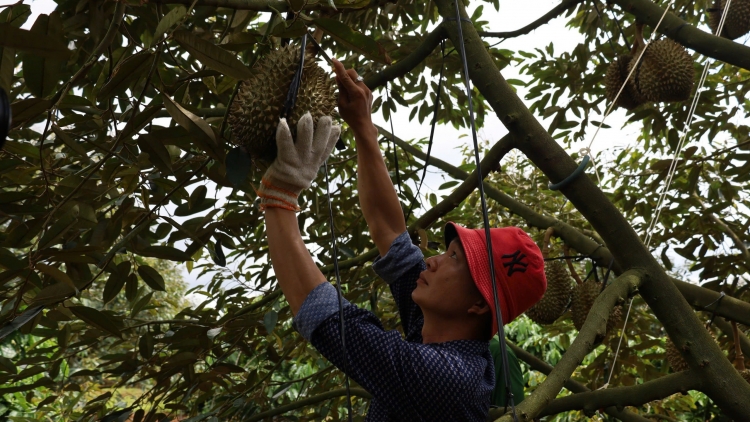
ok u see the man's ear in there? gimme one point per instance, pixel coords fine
(480, 307)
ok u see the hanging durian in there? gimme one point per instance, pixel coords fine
(559, 288)
(584, 295)
(737, 23)
(617, 72)
(675, 359)
(254, 114)
(665, 72)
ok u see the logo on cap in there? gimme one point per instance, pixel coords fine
(515, 262)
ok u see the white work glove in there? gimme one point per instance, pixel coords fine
(297, 164)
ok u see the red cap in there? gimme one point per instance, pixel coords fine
(519, 267)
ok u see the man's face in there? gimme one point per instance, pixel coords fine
(446, 288)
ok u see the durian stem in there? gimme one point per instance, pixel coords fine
(638, 43)
(739, 358)
(547, 236)
(571, 267)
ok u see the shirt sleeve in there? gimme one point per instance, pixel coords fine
(321, 303)
(392, 369)
(400, 268)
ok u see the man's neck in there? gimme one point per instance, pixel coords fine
(437, 329)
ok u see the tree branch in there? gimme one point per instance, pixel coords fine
(592, 331)
(721, 381)
(258, 5)
(726, 328)
(574, 386)
(619, 397)
(708, 300)
(677, 29)
(356, 392)
(552, 14)
(409, 62)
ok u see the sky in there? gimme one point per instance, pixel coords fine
(512, 15)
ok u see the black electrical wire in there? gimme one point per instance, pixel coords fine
(488, 239)
(432, 130)
(289, 104)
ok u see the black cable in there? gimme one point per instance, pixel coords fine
(289, 104)
(392, 140)
(609, 38)
(432, 130)
(488, 239)
(341, 296)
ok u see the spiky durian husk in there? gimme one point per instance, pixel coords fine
(675, 359)
(583, 298)
(746, 374)
(665, 72)
(254, 114)
(737, 23)
(617, 72)
(556, 298)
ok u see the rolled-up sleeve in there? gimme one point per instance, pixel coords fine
(399, 260)
(320, 304)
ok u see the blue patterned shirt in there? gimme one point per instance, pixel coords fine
(408, 380)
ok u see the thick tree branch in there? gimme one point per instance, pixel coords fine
(258, 5)
(619, 397)
(591, 333)
(708, 300)
(552, 14)
(574, 386)
(722, 382)
(405, 65)
(356, 392)
(677, 29)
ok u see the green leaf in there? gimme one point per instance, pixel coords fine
(28, 109)
(151, 277)
(57, 275)
(212, 56)
(197, 196)
(146, 346)
(7, 66)
(43, 74)
(269, 321)
(354, 40)
(96, 319)
(157, 152)
(202, 133)
(134, 67)
(172, 18)
(238, 166)
(140, 304)
(38, 44)
(114, 285)
(165, 252)
(58, 229)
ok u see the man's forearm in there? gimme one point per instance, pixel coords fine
(295, 270)
(377, 196)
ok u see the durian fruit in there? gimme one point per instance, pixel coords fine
(746, 375)
(665, 72)
(675, 359)
(617, 72)
(555, 300)
(737, 23)
(584, 296)
(254, 114)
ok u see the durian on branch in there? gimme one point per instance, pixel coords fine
(689, 36)
(619, 397)
(591, 333)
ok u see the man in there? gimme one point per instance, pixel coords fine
(443, 370)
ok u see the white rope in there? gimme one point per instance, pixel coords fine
(670, 176)
(611, 107)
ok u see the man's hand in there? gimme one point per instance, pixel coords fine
(297, 164)
(355, 100)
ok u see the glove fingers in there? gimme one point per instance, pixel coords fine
(284, 140)
(332, 139)
(321, 137)
(305, 134)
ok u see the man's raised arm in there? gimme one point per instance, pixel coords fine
(377, 196)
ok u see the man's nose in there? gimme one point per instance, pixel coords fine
(431, 263)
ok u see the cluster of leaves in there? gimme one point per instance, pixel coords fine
(120, 154)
